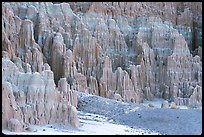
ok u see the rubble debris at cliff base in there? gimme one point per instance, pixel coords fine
(93, 123)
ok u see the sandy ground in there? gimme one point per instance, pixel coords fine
(90, 124)
(102, 116)
(182, 121)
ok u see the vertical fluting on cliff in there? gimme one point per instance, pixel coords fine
(124, 51)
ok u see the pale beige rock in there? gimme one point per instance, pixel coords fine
(108, 79)
(147, 94)
(165, 104)
(15, 126)
(115, 96)
(57, 52)
(127, 51)
(32, 98)
(7, 111)
(93, 86)
(173, 105)
(196, 97)
(73, 117)
(180, 74)
(80, 83)
(165, 91)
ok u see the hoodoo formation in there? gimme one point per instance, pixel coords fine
(128, 51)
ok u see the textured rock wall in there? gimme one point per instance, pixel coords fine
(127, 51)
(32, 98)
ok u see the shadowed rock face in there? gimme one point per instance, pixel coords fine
(124, 51)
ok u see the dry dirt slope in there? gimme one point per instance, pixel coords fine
(161, 120)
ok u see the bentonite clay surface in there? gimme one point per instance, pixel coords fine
(125, 51)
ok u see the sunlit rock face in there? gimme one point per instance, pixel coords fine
(32, 98)
(125, 51)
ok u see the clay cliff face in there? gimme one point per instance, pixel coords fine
(125, 51)
(32, 98)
